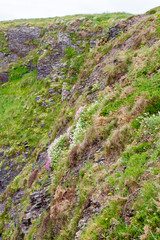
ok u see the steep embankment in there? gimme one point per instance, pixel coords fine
(79, 130)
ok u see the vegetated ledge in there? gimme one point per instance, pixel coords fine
(80, 119)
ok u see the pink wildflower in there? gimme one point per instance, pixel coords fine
(80, 110)
(48, 163)
(5, 34)
(69, 138)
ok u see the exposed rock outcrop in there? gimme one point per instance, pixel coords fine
(20, 39)
(39, 201)
(44, 68)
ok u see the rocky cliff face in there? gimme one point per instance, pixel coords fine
(79, 130)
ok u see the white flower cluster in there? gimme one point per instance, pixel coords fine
(55, 149)
(152, 122)
(78, 131)
(74, 133)
(81, 124)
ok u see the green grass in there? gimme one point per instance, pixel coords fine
(22, 114)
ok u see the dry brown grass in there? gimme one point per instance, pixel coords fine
(45, 224)
(97, 57)
(157, 203)
(146, 234)
(83, 34)
(119, 198)
(126, 118)
(141, 58)
(118, 139)
(91, 137)
(108, 90)
(123, 116)
(32, 178)
(158, 230)
(132, 184)
(140, 104)
(73, 156)
(116, 73)
(104, 125)
(100, 121)
(127, 91)
(64, 199)
(145, 35)
(89, 63)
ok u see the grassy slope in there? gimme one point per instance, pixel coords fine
(123, 121)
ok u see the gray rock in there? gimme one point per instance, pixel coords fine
(26, 155)
(66, 95)
(51, 90)
(8, 172)
(51, 65)
(1, 154)
(2, 207)
(20, 39)
(77, 236)
(118, 28)
(4, 77)
(81, 223)
(101, 159)
(23, 34)
(47, 182)
(38, 197)
(64, 39)
(44, 68)
(38, 98)
(6, 60)
(96, 203)
(17, 198)
(93, 43)
(26, 221)
(24, 229)
(2, 55)
(45, 104)
(12, 57)
(52, 102)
